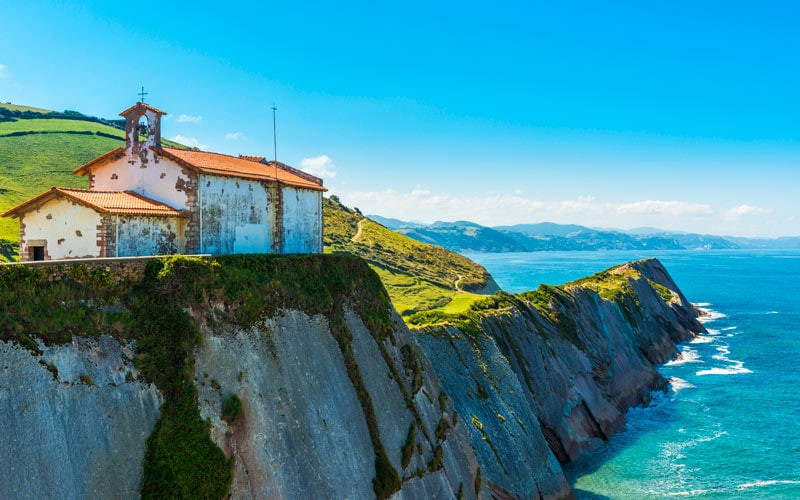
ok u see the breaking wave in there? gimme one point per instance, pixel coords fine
(687, 355)
(678, 384)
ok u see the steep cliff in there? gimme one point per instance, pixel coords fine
(251, 375)
(265, 376)
(547, 375)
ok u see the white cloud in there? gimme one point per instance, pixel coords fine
(321, 166)
(234, 136)
(189, 141)
(743, 210)
(3, 70)
(512, 208)
(674, 208)
(189, 119)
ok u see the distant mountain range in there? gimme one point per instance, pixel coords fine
(469, 236)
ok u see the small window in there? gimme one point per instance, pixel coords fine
(38, 253)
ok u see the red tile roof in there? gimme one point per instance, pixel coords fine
(257, 159)
(112, 202)
(220, 164)
(143, 105)
(246, 167)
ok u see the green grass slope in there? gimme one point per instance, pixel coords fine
(17, 107)
(39, 153)
(418, 276)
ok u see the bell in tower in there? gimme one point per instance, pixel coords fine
(142, 120)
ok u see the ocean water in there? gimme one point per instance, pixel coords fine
(729, 427)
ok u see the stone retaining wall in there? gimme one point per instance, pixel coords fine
(120, 267)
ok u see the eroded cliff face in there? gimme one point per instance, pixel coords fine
(544, 376)
(72, 427)
(122, 392)
(304, 433)
(118, 385)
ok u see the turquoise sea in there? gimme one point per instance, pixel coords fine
(730, 425)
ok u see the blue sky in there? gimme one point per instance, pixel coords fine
(681, 115)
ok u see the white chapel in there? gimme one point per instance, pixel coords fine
(146, 199)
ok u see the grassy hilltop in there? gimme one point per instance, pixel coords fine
(417, 276)
(38, 152)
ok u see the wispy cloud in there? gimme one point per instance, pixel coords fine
(674, 208)
(3, 69)
(189, 119)
(744, 210)
(189, 141)
(497, 209)
(234, 136)
(321, 166)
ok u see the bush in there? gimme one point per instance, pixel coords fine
(232, 408)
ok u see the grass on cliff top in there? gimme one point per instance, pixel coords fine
(555, 304)
(608, 284)
(418, 276)
(42, 153)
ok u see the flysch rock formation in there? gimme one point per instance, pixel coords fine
(303, 432)
(77, 429)
(550, 375)
(336, 392)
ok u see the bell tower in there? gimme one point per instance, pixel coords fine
(136, 126)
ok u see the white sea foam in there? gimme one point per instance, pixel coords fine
(674, 450)
(729, 328)
(723, 351)
(735, 368)
(712, 331)
(687, 355)
(772, 312)
(702, 339)
(761, 484)
(678, 384)
(688, 493)
(702, 304)
(710, 315)
(729, 490)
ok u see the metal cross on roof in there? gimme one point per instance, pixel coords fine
(142, 94)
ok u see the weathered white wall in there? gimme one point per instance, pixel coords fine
(302, 221)
(69, 228)
(235, 216)
(158, 180)
(139, 235)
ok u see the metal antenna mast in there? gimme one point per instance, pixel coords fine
(274, 134)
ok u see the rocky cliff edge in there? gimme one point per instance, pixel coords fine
(543, 376)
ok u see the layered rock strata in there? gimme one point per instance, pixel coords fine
(544, 376)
